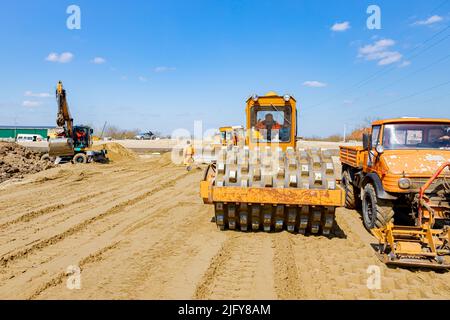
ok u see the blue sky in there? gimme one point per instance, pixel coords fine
(163, 64)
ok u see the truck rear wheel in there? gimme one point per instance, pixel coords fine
(352, 200)
(377, 213)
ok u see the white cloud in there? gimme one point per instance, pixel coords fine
(64, 57)
(98, 60)
(379, 51)
(389, 57)
(378, 46)
(31, 104)
(348, 102)
(430, 20)
(37, 95)
(142, 79)
(314, 84)
(405, 64)
(164, 69)
(341, 26)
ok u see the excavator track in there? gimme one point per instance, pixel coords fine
(274, 168)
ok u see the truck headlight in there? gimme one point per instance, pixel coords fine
(287, 97)
(255, 97)
(379, 149)
(404, 183)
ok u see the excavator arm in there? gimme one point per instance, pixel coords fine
(62, 145)
(63, 118)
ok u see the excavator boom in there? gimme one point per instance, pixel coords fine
(63, 118)
(63, 144)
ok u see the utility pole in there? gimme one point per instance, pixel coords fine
(103, 130)
(345, 133)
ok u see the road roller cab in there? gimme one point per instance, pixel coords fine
(269, 184)
(271, 121)
(232, 135)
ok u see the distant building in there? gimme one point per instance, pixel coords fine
(11, 132)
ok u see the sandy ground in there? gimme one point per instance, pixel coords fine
(138, 230)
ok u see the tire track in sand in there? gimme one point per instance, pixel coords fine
(151, 261)
(26, 197)
(52, 221)
(5, 260)
(242, 269)
(287, 282)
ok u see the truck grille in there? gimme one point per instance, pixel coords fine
(417, 183)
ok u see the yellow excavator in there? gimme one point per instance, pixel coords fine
(270, 183)
(72, 143)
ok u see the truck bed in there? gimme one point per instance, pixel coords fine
(352, 156)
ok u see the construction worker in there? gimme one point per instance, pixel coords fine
(189, 152)
(269, 123)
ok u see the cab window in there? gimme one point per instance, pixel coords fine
(271, 123)
(415, 136)
(376, 135)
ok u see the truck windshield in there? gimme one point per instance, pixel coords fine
(417, 136)
(271, 123)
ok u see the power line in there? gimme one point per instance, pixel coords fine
(434, 98)
(443, 3)
(406, 76)
(382, 72)
(414, 94)
(408, 96)
(412, 57)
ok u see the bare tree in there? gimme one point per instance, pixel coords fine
(119, 134)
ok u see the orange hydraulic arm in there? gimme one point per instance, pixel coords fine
(422, 199)
(63, 118)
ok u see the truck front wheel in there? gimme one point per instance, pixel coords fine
(377, 213)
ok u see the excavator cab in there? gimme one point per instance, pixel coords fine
(82, 137)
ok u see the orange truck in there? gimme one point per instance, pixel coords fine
(402, 174)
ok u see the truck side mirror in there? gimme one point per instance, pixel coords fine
(367, 139)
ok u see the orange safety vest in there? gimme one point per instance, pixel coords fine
(262, 125)
(190, 150)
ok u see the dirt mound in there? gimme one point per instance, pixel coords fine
(117, 152)
(16, 161)
(166, 159)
